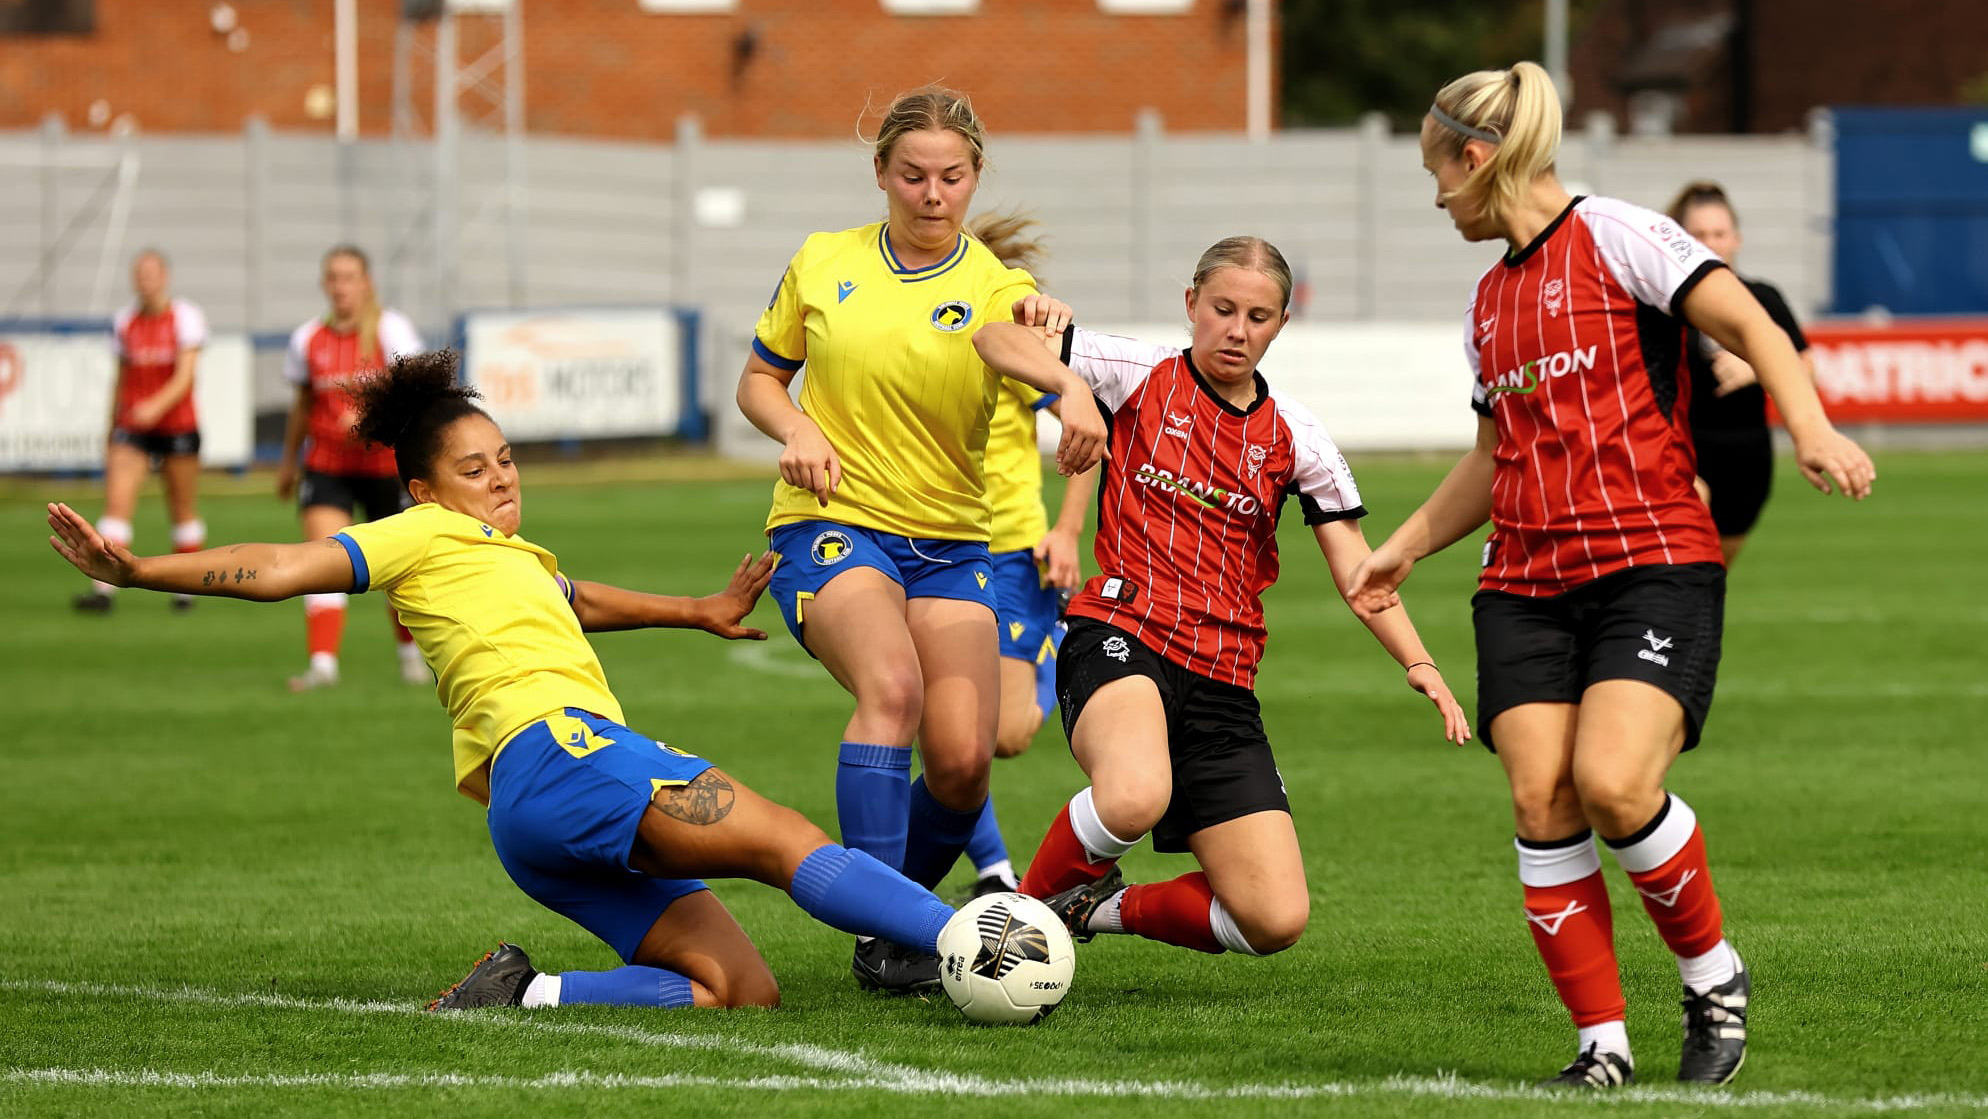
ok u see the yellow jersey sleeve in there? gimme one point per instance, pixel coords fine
(386, 551)
(781, 338)
(1011, 285)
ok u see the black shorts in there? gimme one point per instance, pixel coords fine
(156, 445)
(381, 497)
(1661, 625)
(1222, 766)
(1739, 467)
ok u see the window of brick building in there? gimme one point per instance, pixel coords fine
(688, 7)
(931, 7)
(48, 17)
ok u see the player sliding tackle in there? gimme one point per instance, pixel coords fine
(592, 819)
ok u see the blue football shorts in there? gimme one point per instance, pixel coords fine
(814, 552)
(567, 794)
(1024, 607)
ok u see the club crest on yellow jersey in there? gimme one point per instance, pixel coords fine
(952, 315)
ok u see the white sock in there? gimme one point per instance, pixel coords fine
(1106, 918)
(189, 536)
(1226, 932)
(1713, 969)
(1673, 827)
(116, 530)
(325, 664)
(1609, 1037)
(409, 652)
(1099, 843)
(543, 990)
(1003, 870)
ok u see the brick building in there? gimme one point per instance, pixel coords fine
(627, 69)
(1761, 65)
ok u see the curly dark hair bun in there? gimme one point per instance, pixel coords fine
(409, 404)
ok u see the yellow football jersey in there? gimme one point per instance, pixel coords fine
(1014, 470)
(494, 619)
(892, 379)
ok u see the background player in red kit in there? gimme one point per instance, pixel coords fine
(1156, 671)
(152, 420)
(1600, 610)
(342, 474)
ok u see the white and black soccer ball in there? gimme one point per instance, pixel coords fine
(1005, 959)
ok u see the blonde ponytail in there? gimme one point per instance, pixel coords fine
(1517, 112)
(369, 333)
(1003, 234)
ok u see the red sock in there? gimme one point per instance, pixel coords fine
(324, 629)
(1679, 897)
(1575, 934)
(1061, 862)
(1173, 912)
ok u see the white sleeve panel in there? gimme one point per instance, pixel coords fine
(1646, 252)
(1479, 399)
(120, 322)
(1113, 366)
(190, 324)
(296, 359)
(398, 338)
(1318, 471)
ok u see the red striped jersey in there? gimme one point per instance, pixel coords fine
(1576, 346)
(328, 361)
(148, 349)
(1188, 503)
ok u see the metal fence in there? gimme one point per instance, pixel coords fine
(710, 223)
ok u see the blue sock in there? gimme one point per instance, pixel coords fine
(872, 795)
(937, 836)
(986, 847)
(853, 892)
(633, 985)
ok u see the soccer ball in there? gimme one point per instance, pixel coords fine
(1005, 959)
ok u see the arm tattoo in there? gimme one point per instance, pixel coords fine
(704, 801)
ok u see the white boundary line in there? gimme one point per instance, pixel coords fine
(760, 657)
(856, 1071)
(1449, 1088)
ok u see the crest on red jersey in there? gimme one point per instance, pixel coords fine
(1554, 292)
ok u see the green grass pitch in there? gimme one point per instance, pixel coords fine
(218, 898)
